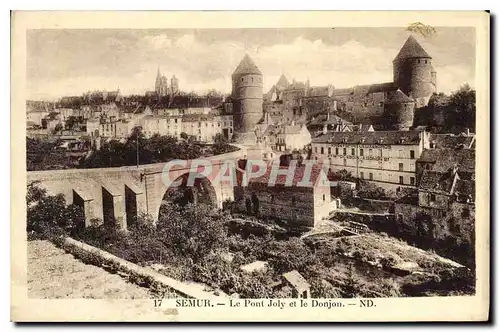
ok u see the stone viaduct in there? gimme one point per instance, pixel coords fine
(120, 194)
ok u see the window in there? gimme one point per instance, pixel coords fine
(230, 130)
(400, 217)
(322, 150)
(175, 120)
(315, 148)
(400, 167)
(353, 151)
(412, 180)
(370, 176)
(370, 152)
(361, 175)
(400, 154)
(324, 197)
(361, 152)
(218, 124)
(432, 198)
(400, 180)
(329, 150)
(345, 162)
(412, 154)
(336, 151)
(345, 151)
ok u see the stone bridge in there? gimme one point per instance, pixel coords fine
(120, 194)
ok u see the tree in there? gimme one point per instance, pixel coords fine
(194, 231)
(221, 145)
(48, 215)
(184, 136)
(70, 122)
(463, 107)
(57, 128)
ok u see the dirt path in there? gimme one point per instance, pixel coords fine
(53, 273)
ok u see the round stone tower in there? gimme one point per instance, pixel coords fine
(247, 100)
(413, 72)
(400, 109)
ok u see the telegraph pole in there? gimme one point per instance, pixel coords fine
(137, 149)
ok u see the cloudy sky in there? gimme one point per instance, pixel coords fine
(70, 62)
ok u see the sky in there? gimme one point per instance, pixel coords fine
(70, 62)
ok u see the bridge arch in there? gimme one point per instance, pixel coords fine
(201, 191)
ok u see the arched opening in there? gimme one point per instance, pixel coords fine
(201, 192)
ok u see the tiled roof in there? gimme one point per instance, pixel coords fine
(399, 97)
(196, 117)
(343, 92)
(282, 82)
(298, 176)
(296, 280)
(443, 159)
(449, 141)
(372, 137)
(247, 66)
(411, 49)
(438, 182)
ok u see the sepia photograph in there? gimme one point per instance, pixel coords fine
(250, 167)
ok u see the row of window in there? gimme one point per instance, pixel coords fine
(361, 152)
(401, 178)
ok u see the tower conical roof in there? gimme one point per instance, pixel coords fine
(282, 82)
(247, 66)
(399, 97)
(411, 49)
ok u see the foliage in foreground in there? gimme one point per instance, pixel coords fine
(191, 244)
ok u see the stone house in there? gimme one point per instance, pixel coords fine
(301, 289)
(293, 202)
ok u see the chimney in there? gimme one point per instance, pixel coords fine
(325, 129)
(467, 132)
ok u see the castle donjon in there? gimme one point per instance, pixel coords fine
(389, 105)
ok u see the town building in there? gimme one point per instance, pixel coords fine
(36, 116)
(386, 158)
(290, 137)
(292, 202)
